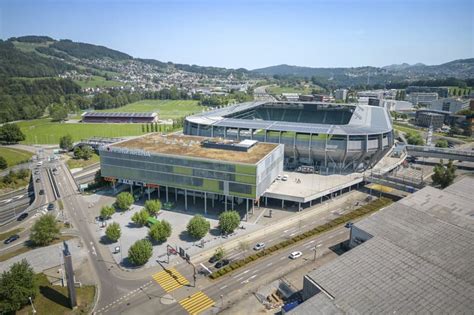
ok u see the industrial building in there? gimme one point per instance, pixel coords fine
(451, 105)
(340, 94)
(441, 91)
(422, 98)
(413, 257)
(334, 138)
(213, 169)
(104, 117)
(427, 118)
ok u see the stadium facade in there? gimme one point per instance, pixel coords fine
(334, 138)
(208, 168)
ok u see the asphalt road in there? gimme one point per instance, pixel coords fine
(233, 287)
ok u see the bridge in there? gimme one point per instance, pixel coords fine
(440, 153)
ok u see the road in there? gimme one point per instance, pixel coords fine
(228, 289)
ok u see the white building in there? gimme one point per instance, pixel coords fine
(340, 94)
(451, 105)
(422, 98)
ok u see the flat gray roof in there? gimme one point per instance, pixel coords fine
(365, 120)
(419, 260)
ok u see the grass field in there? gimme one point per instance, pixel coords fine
(277, 90)
(43, 131)
(96, 81)
(54, 299)
(167, 109)
(15, 156)
(73, 163)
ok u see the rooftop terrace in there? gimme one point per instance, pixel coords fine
(182, 145)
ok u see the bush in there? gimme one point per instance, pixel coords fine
(3, 163)
(198, 226)
(153, 207)
(113, 232)
(229, 221)
(140, 218)
(106, 212)
(124, 200)
(45, 230)
(160, 231)
(140, 252)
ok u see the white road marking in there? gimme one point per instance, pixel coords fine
(310, 242)
(247, 281)
(241, 274)
(255, 271)
(285, 231)
(292, 234)
(281, 258)
(223, 287)
(269, 264)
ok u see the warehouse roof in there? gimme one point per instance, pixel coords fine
(419, 259)
(181, 145)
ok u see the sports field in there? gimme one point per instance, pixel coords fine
(43, 131)
(15, 156)
(278, 90)
(167, 109)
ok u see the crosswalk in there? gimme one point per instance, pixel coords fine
(196, 303)
(170, 279)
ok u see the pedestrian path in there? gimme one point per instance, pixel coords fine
(170, 279)
(196, 303)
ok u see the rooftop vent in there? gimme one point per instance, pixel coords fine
(242, 146)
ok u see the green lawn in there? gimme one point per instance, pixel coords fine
(167, 109)
(405, 128)
(53, 299)
(73, 163)
(96, 81)
(43, 131)
(15, 156)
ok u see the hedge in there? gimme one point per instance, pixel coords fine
(370, 207)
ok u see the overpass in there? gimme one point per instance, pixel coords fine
(440, 153)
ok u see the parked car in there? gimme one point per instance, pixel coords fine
(41, 192)
(38, 180)
(221, 263)
(278, 177)
(259, 246)
(22, 216)
(296, 254)
(11, 238)
(284, 178)
(348, 225)
(51, 207)
(213, 259)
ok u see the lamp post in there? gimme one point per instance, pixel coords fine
(32, 305)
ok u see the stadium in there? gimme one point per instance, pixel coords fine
(332, 138)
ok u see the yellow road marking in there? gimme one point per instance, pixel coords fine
(170, 279)
(196, 303)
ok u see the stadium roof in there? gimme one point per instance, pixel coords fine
(119, 115)
(180, 145)
(419, 259)
(365, 120)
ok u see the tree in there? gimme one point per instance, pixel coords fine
(106, 212)
(229, 221)
(3, 163)
(140, 218)
(219, 253)
(17, 285)
(45, 230)
(65, 142)
(198, 226)
(160, 231)
(140, 252)
(444, 175)
(153, 207)
(11, 133)
(87, 152)
(414, 138)
(113, 232)
(124, 200)
(441, 143)
(58, 112)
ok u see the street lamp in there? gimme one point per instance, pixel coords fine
(222, 301)
(31, 302)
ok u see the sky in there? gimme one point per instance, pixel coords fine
(258, 33)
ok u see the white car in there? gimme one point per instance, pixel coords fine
(295, 255)
(259, 246)
(284, 178)
(278, 177)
